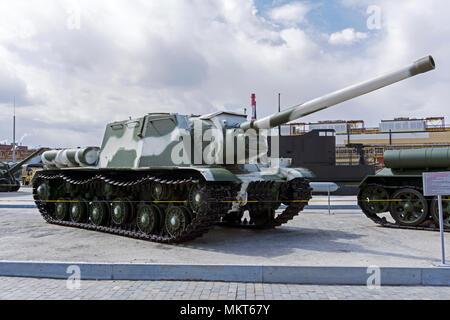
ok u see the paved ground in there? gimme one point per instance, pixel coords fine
(314, 238)
(28, 288)
(346, 238)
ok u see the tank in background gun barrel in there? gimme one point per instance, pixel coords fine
(417, 158)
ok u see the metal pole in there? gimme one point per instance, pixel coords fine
(329, 202)
(14, 131)
(441, 227)
(279, 110)
(348, 144)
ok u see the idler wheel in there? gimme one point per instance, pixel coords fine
(445, 211)
(78, 211)
(43, 191)
(409, 207)
(177, 219)
(98, 212)
(62, 209)
(147, 218)
(121, 211)
(374, 199)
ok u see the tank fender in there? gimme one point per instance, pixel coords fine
(385, 172)
(217, 174)
(366, 180)
(297, 173)
(287, 173)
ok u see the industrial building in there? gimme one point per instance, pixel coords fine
(390, 134)
(6, 152)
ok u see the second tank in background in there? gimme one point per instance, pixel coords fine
(398, 189)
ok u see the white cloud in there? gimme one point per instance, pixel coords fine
(128, 59)
(290, 13)
(346, 37)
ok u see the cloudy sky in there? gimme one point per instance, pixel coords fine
(74, 66)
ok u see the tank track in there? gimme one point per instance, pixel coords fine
(219, 197)
(295, 194)
(382, 220)
(208, 215)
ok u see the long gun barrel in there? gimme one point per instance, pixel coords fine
(420, 66)
(418, 158)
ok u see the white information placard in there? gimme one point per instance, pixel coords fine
(436, 183)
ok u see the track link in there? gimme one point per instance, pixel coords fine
(295, 194)
(211, 211)
(215, 205)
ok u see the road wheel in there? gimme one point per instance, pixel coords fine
(78, 211)
(373, 199)
(177, 219)
(121, 211)
(409, 207)
(445, 211)
(98, 212)
(62, 209)
(195, 198)
(147, 218)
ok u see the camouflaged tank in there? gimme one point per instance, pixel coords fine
(171, 177)
(398, 189)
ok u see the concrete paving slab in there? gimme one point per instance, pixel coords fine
(314, 238)
(346, 275)
(230, 273)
